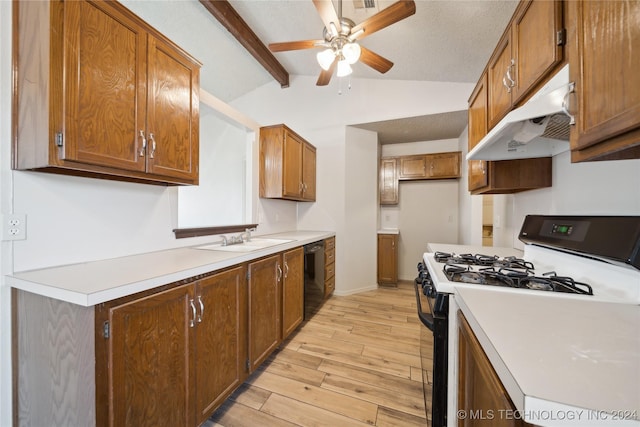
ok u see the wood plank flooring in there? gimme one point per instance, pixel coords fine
(354, 362)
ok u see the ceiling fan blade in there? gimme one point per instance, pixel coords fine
(374, 60)
(392, 14)
(295, 45)
(327, 14)
(325, 75)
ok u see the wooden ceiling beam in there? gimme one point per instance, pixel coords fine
(229, 18)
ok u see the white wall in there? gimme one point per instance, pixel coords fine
(427, 210)
(6, 248)
(590, 188)
(347, 164)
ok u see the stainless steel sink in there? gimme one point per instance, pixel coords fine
(256, 243)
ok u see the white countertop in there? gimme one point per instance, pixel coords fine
(563, 361)
(92, 283)
(388, 231)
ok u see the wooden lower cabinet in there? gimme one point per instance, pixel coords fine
(168, 356)
(265, 296)
(387, 259)
(329, 266)
(292, 290)
(171, 358)
(480, 391)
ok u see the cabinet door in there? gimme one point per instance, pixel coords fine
(479, 387)
(478, 174)
(265, 294)
(387, 258)
(151, 360)
(292, 170)
(498, 71)
(605, 69)
(105, 70)
(292, 291)
(388, 181)
(477, 130)
(443, 165)
(221, 338)
(412, 167)
(535, 49)
(173, 116)
(309, 172)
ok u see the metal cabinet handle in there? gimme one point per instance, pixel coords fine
(278, 272)
(286, 270)
(565, 103)
(482, 164)
(508, 77)
(144, 144)
(153, 145)
(192, 322)
(201, 309)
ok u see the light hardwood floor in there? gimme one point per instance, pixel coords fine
(355, 362)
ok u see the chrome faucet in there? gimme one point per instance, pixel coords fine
(246, 236)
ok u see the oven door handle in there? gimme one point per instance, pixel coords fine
(426, 319)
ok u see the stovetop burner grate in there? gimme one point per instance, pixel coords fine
(506, 272)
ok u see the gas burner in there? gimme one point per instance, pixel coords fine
(485, 260)
(513, 262)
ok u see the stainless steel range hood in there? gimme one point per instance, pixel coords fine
(540, 128)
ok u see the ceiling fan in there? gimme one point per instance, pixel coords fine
(341, 35)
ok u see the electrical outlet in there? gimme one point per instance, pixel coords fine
(14, 227)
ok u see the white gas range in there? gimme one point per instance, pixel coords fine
(593, 342)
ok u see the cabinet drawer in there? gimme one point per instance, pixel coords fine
(329, 270)
(329, 256)
(330, 243)
(329, 286)
(329, 251)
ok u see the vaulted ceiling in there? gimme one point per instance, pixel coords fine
(445, 41)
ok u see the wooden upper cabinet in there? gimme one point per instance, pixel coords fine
(604, 62)
(529, 50)
(429, 166)
(499, 72)
(309, 172)
(477, 129)
(443, 165)
(537, 46)
(412, 167)
(116, 99)
(511, 176)
(287, 165)
(173, 124)
(388, 181)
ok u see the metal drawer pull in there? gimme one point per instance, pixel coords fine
(192, 322)
(201, 309)
(144, 144)
(153, 145)
(565, 103)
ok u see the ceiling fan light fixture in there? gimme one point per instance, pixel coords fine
(351, 52)
(326, 58)
(344, 69)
